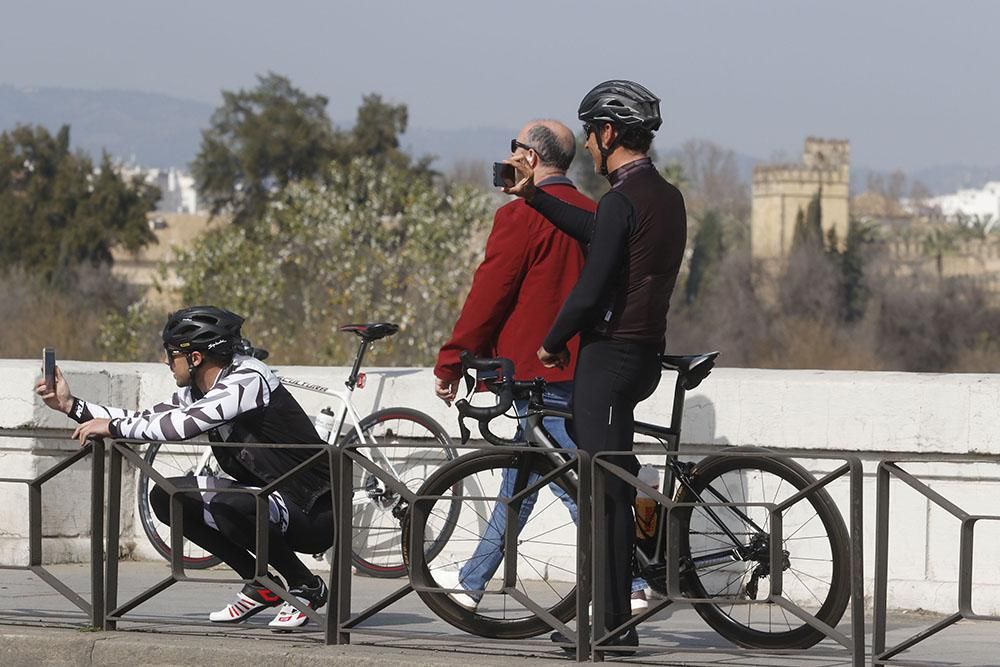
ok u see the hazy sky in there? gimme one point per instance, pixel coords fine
(910, 83)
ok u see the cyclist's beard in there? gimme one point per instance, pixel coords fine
(182, 376)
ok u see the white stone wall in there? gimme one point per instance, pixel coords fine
(868, 414)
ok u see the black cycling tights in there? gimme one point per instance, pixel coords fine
(234, 538)
(611, 378)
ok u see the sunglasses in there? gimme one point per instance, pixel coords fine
(172, 353)
(515, 144)
(588, 128)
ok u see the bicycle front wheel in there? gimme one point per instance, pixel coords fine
(546, 545)
(176, 460)
(725, 551)
(409, 446)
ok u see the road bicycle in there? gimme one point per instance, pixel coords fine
(396, 439)
(724, 551)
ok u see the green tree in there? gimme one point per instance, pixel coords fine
(809, 225)
(57, 212)
(799, 233)
(708, 249)
(258, 142)
(366, 242)
(937, 243)
(853, 285)
(814, 218)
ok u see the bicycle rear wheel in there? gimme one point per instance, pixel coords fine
(177, 460)
(546, 562)
(815, 542)
(411, 446)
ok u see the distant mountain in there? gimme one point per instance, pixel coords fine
(161, 131)
(153, 130)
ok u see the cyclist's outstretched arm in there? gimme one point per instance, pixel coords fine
(83, 411)
(241, 391)
(577, 222)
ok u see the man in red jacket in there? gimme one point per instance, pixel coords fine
(529, 269)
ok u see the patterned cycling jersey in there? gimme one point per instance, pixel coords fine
(247, 404)
(244, 386)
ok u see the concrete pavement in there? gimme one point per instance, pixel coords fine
(677, 634)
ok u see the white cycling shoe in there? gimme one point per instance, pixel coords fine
(252, 599)
(313, 595)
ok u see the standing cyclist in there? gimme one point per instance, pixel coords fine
(234, 398)
(635, 243)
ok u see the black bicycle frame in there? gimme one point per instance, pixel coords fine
(674, 474)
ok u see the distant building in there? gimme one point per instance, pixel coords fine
(779, 192)
(983, 203)
(177, 188)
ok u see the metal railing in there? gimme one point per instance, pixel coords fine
(95, 608)
(121, 450)
(887, 469)
(341, 621)
(348, 622)
(603, 467)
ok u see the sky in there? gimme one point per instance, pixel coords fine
(911, 83)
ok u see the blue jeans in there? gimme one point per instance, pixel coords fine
(486, 559)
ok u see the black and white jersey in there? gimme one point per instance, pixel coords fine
(248, 404)
(244, 386)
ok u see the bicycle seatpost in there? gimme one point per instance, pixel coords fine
(352, 380)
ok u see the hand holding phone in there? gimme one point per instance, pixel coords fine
(49, 367)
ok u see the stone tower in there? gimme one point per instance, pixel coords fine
(780, 191)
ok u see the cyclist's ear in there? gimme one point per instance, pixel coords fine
(196, 358)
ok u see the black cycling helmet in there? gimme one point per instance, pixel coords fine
(623, 103)
(203, 328)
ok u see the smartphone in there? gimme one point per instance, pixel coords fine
(503, 174)
(49, 367)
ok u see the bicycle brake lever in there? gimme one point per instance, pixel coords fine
(464, 430)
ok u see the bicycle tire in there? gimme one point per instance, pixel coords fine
(490, 619)
(818, 563)
(385, 559)
(156, 531)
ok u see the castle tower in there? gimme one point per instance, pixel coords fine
(780, 191)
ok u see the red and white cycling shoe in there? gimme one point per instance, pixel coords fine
(252, 599)
(313, 595)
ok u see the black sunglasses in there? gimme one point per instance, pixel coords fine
(515, 144)
(588, 128)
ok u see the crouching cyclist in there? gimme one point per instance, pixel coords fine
(232, 397)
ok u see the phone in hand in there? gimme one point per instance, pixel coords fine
(504, 175)
(49, 367)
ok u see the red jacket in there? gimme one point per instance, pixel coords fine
(529, 269)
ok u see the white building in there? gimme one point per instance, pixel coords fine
(983, 203)
(177, 188)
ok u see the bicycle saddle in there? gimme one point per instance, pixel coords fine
(372, 331)
(692, 368)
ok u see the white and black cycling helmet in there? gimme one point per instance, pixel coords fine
(206, 329)
(622, 103)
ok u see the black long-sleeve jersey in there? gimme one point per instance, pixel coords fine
(635, 244)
